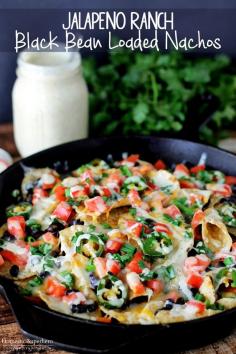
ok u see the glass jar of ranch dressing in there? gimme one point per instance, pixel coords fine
(50, 100)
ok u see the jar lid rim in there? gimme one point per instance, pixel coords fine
(64, 62)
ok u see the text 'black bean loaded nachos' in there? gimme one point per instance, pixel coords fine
(128, 240)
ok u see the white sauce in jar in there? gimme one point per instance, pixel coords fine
(50, 100)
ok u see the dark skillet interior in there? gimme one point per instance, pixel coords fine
(87, 336)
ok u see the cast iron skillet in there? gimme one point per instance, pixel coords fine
(87, 336)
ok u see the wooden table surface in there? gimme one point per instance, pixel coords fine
(11, 339)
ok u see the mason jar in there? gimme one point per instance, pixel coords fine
(50, 100)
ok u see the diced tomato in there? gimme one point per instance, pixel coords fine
(19, 260)
(54, 288)
(96, 204)
(135, 283)
(186, 184)
(104, 191)
(194, 280)
(134, 227)
(38, 193)
(198, 305)
(59, 192)
(79, 191)
(87, 176)
(1, 261)
(100, 266)
(16, 226)
(172, 211)
(131, 158)
(134, 198)
(197, 218)
(152, 186)
(156, 285)
(181, 170)
(160, 227)
(197, 168)
(196, 264)
(48, 237)
(113, 246)
(160, 165)
(220, 189)
(63, 211)
(112, 266)
(133, 265)
(48, 181)
(230, 180)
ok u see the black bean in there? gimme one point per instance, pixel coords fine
(44, 274)
(180, 301)
(93, 280)
(8, 237)
(14, 271)
(168, 305)
(81, 308)
(76, 222)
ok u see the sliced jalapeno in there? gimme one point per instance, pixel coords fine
(111, 292)
(134, 182)
(157, 245)
(21, 209)
(89, 245)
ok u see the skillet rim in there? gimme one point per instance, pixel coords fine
(100, 140)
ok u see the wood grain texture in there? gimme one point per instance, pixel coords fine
(9, 329)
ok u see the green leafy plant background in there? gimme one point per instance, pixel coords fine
(153, 93)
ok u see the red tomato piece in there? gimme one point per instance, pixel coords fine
(104, 191)
(172, 211)
(96, 204)
(38, 193)
(69, 297)
(197, 218)
(197, 168)
(100, 266)
(79, 191)
(16, 226)
(160, 165)
(181, 170)
(187, 184)
(113, 246)
(19, 260)
(134, 198)
(131, 158)
(1, 261)
(133, 265)
(194, 280)
(63, 211)
(156, 285)
(54, 288)
(135, 283)
(112, 266)
(87, 176)
(160, 227)
(134, 227)
(59, 192)
(230, 180)
(198, 305)
(196, 264)
(48, 181)
(48, 237)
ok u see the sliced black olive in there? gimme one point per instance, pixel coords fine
(14, 271)
(82, 308)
